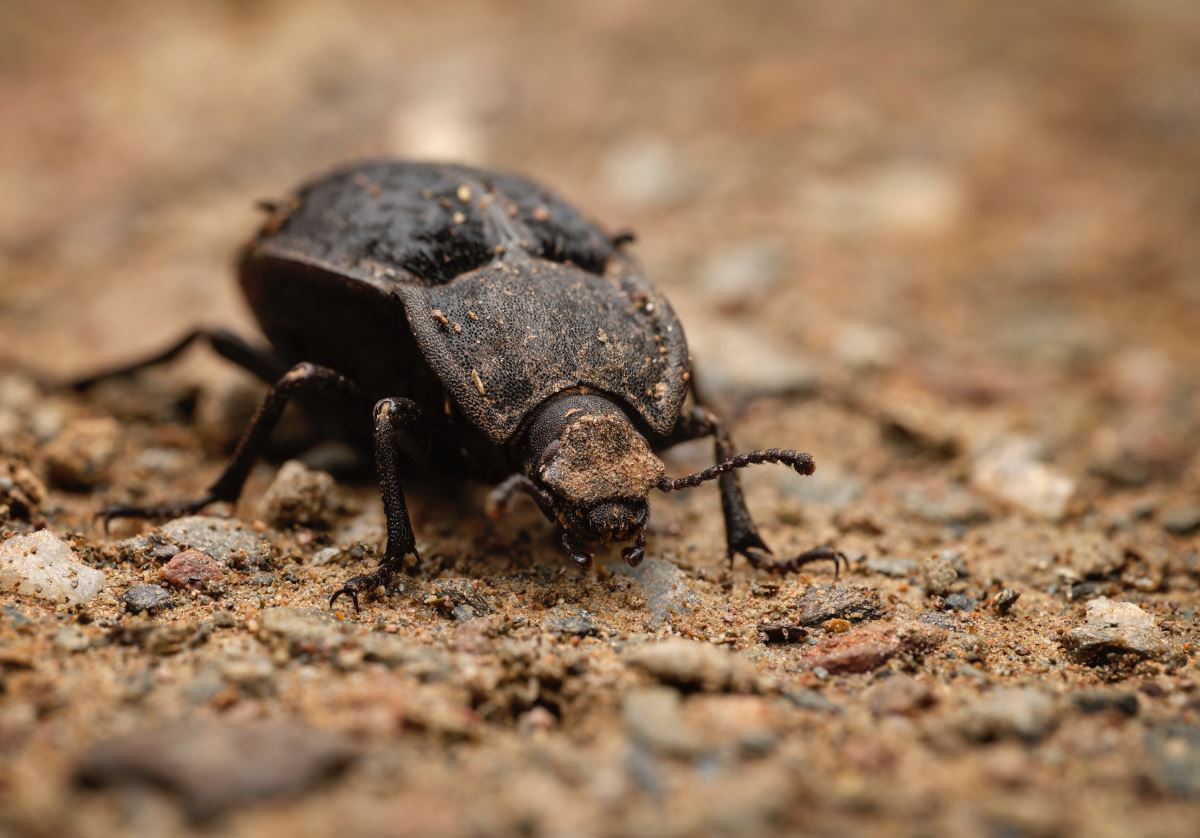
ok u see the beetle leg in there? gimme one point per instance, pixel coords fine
(392, 416)
(580, 557)
(499, 498)
(301, 378)
(254, 359)
(741, 534)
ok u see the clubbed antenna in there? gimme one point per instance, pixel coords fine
(801, 462)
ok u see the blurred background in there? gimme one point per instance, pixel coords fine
(968, 182)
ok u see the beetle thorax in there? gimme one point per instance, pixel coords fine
(600, 457)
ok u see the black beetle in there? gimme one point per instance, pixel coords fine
(496, 331)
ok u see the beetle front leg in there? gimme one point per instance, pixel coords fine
(393, 418)
(741, 534)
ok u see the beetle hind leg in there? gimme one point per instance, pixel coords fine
(393, 418)
(256, 360)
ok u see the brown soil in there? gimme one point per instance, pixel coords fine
(949, 248)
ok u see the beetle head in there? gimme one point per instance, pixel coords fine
(597, 470)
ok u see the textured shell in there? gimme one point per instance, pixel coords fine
(511, 294)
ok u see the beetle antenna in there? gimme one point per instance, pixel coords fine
(801, 462)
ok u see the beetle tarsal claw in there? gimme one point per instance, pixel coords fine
(360, 585)
(761, 558)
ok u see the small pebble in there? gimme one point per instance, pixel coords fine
(1005, 600)
(301, 497)
(1113, 632)
(571, 622)
(325, 556)
(148, 598)
(939, 574)
(191, 568)
(822, 603)
(960, 602)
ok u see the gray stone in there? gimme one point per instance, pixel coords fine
(1114, 632)
(826, 602)
(664, 584)
(44, 566)
(1090, 555)
(960, 602)
(1011, 712)
(736, 360)
(462, 598)
(326, 556)
(213, 768)
(827, 487)
(148, 598)
(571, 622)
(226, 540)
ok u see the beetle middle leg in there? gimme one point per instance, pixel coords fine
(741, 534)
(301, 379)
(397, 424)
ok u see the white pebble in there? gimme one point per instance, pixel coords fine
(43, 565)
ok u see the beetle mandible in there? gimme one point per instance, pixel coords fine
(495, 330)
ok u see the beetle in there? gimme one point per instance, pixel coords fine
(485, 326)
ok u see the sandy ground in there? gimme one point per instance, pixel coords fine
(949, 248)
